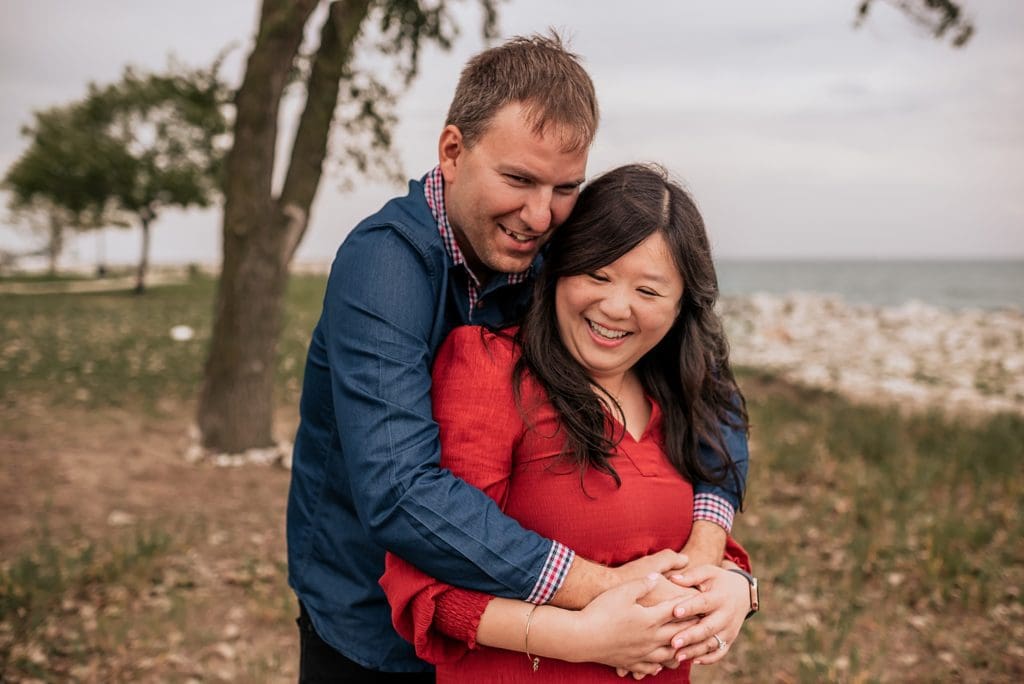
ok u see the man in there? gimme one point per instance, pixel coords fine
(460, 248)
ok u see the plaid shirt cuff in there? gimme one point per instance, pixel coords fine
(555, 569)
(714, 509)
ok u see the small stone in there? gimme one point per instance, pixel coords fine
(120, 519)
(194, 454)
(182, 333)
(919, 622)
(224, 650)
(35, 654)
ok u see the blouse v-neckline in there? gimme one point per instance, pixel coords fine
(651, 420)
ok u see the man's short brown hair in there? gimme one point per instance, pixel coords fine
(537, 72)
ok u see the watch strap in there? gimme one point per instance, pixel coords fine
(755, 601)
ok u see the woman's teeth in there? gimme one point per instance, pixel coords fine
(606, 332)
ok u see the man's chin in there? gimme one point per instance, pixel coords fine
(513, 264)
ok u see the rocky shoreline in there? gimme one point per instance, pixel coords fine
(914, 356)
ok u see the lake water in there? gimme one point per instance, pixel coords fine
(950, 284)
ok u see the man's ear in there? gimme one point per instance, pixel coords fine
(449, 151)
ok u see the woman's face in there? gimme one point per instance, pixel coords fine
(610, 318)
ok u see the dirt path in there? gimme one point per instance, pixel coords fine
(114, 284)
(187, 573)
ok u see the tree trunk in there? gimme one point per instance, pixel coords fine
(140, 272)
(261, 232)
(55, 245)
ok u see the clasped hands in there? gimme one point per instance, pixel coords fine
(666, 612)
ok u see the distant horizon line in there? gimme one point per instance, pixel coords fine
(80, 265)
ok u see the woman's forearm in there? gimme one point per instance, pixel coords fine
(553, 631)
(614, 629)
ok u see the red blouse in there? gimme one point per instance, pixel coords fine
(514, 459)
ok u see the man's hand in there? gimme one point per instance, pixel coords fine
(666, 590)
(587, 580)
(664, 562)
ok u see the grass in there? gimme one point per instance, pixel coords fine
(55, 584)
(889, 545)
(44, 277)
(879, 536)
(115, 349)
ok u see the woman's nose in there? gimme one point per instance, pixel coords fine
(615, 304)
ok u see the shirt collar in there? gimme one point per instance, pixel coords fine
(433, 190)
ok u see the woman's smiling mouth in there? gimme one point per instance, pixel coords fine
(606, 333)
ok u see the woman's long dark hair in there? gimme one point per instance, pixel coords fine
(687, 373)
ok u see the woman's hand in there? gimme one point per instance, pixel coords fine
(722, 606)
(616, 630)
(654, 662)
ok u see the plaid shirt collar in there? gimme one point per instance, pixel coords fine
(433, 190)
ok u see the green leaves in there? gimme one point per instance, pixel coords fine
(170, 131)
(124, 152)
(941, 18)
(133, 147)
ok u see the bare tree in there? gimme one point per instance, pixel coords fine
(262, 229)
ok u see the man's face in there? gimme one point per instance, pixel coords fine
(507, 193)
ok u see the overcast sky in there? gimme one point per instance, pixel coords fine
(799, 136)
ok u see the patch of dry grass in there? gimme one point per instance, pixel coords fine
(888, 545)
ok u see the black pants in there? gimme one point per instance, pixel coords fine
(319, 663)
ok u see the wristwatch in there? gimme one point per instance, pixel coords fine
(754, 603)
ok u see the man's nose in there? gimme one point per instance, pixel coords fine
(536, 212)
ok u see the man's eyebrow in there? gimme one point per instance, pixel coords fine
(525, 173)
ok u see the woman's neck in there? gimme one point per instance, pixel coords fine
(626, 402)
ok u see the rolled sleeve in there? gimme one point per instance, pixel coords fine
(718, 503)
(715, 509)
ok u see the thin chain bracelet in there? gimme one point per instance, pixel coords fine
(534, 660)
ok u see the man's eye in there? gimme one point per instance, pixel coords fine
(517, 179)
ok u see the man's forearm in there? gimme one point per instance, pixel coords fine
(583, 583)
(586, 580)
(706, 544)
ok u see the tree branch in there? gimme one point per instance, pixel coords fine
(338, 35)
(939, 17)
(249, 166)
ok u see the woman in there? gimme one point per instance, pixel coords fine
(584, 425)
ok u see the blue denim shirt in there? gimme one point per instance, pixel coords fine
(365, 473)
